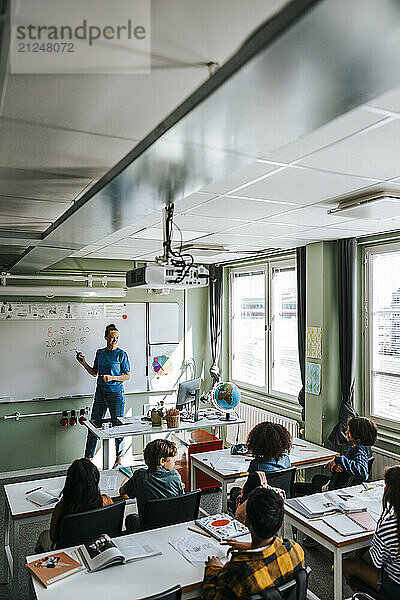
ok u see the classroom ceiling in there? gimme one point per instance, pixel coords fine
(60, 134)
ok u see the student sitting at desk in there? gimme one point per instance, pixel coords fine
(380, 566)
(361, 432)
(264, 562)
(81, 492)
(159, 480)
(270, 444)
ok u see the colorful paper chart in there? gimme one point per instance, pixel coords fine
(313, 378)
(314, 342)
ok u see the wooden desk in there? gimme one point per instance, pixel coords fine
(135, 580)
(20, 511)
(329, 538)
(303, 455)
(145, 428)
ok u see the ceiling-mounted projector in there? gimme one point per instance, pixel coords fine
(167, 277)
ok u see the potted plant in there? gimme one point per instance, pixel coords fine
(157, 413)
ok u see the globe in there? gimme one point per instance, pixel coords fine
(226, 396)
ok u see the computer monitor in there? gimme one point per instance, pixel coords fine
(188, 393)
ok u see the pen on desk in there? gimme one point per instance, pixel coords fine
(307, 450)
(300, 445)
(199, 532)
(34, 490)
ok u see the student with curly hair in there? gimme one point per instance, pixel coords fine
(159, 480)
(81, 493)
(379, 567)
(270, 445)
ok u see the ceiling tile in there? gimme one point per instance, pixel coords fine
(388, 101)
(252, 171)
(335, 130)
(29, 146)
(371, 226)
(266, 228)
(152, 233)
(309, 216)
(39, 185)
(303, 186)
(239, 208)
(143, 245)
(373, 153)
(191, 201)
(326, 233)
(227, 239)
(38, 209)
(24, 224)
(205, 224)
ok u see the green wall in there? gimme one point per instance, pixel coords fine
(322, 311)
(41, 441)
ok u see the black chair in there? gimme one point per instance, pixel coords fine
(174, 593)
(371, 461)
(170, 511)
(81, 528)
(362, 591)
(283, 479)
(342, 480)
(296, 589)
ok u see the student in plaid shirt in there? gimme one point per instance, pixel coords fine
(254, 566)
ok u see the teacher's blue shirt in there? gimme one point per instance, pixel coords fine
(111, 362)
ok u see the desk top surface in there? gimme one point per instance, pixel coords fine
(226, 465)
(133, 580)
(145, 428)
(318, 526)
(21, 507)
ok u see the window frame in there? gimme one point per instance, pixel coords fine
(366, 320)
(267, 268)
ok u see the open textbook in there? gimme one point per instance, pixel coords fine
(317, 504)
(103, 552)
(368, 500)
(44, 497)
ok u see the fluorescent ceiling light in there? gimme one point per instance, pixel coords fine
(377, 206)
(72, 291)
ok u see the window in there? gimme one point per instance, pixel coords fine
(248, 327)
(284, 363)
(382, 324)
(264, 353)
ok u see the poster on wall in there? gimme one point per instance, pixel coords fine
(313, 378)
(164, 366)
(314, 342)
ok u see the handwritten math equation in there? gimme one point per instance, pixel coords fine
(65, 339)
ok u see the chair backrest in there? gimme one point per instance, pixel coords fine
(341, 480)
(371, 461)
(283, 479)
(170, 511)
(82, 527)
(295, 589)
(174, 593)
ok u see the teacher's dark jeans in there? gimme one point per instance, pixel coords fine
(115, 402)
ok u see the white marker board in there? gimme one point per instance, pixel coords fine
(37, 356)
(165, 323)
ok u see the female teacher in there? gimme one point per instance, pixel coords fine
(111, 367)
